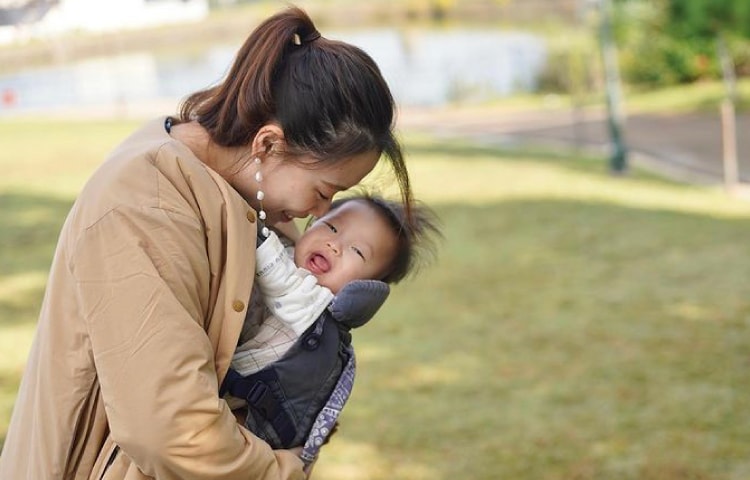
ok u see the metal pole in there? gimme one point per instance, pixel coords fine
(729, 145)
(618, 159)
(728, 124)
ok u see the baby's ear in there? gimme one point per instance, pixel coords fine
(358, 302)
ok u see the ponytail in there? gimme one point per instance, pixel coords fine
(233, 111)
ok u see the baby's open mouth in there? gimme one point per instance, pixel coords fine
(318, 264)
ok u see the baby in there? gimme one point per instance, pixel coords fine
(343, 263)
(361, 237)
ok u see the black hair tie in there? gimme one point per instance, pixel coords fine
(310, 37)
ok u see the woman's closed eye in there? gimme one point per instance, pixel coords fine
(323, 197)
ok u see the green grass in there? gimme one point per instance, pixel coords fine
(576, 326)
(699, 98)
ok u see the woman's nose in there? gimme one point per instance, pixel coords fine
(321, 208)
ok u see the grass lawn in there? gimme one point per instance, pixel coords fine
(700, 97)
(577, 325)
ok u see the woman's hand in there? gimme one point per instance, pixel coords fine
(297, 451)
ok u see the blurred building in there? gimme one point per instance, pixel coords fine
(26, 19)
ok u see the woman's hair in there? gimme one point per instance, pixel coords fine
(416, 237)
(329, 97)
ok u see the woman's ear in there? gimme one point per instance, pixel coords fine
(268, 139)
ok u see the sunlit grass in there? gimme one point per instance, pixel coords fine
(696, 97)
(577, 325)
(699, 97)
(55, 157)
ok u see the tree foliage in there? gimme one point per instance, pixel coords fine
(674, 41)
(706, 18)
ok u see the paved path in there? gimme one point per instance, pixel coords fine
(685, 146)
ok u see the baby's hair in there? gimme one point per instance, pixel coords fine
(415, 240)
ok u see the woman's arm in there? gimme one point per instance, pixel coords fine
(142, 282)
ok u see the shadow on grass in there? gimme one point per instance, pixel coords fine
(29, 228)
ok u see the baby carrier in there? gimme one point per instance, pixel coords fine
(297, 399)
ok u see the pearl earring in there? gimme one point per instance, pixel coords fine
(260, 196)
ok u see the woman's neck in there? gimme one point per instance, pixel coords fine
(220, 159)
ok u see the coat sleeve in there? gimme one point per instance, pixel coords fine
(139, 277)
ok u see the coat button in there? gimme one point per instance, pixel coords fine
(251, 216)
(238, 306)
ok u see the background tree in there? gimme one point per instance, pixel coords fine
(674, 41)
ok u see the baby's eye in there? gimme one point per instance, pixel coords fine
(333, 229)
(359, 252)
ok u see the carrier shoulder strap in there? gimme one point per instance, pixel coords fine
(258, 394)
(328, 416)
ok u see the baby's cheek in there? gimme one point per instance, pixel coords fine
(325, 281)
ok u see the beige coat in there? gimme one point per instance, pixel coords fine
(144, 305)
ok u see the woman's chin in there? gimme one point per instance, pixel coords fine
(283, 217)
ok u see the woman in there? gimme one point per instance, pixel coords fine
(151, 278)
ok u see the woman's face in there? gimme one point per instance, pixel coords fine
(299, 188)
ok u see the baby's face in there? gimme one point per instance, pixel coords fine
(353, 242)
